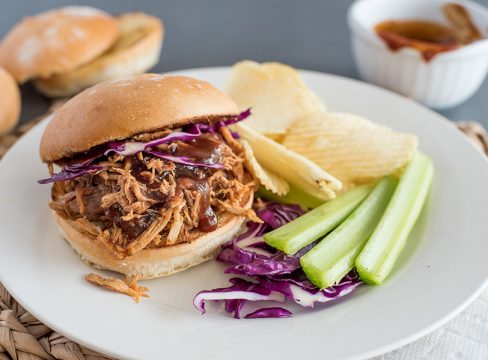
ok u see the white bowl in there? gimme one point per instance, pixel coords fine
(447, 80)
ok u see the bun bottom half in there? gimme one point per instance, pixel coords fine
(151, 263)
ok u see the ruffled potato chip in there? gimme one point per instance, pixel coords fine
(294, 168)
(268, 179)
(275, 92)
(350, 147)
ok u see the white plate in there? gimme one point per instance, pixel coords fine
(442, 269)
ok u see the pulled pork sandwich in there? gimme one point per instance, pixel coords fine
(148, 180)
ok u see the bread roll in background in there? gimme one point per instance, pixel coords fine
(56, 41)
(9, 102)
(136, 50)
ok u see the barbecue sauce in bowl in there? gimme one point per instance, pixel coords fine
(428, 37)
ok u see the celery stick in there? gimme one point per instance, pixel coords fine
(294, 196)
(388, 239)
(309, 227)
(333, 257)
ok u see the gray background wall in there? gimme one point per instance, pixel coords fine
(309, 34)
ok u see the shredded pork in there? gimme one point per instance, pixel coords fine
(127, 287)
(141, 201)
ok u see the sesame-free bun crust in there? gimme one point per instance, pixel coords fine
(56, 41)
(9, 102)
(119, 109)
(152, 263)
(136, 50)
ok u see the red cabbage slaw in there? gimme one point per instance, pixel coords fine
(274, 276)
(236, 295)
(126, 148)
(72, 172)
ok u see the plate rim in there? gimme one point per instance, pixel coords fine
(378, 351)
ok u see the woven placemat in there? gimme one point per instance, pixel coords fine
(24, 337)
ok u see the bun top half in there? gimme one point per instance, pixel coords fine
(56, 41)
(120, 109)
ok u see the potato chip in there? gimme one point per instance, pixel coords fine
(292, 167)
(276, 137)
(350, 147)
(275, 92)
(268, 179)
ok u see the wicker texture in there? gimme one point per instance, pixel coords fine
(23, 337)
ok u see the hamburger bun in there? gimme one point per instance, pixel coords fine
(119, 109)
(136, 50)
(156, 262)
(9, 102)
(56, 41)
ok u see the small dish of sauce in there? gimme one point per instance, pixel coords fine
(433, 51)
(428, 37)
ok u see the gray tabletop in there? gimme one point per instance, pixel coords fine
(309, 34)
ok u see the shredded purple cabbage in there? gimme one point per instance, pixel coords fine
(270, 269)
(214, 128)
(276, 215)
(271, 312)
(259, 264)
(298, 289)
(251, 256)
(183, 160)
(72, 172)
(133, 147)
(235, 295)
(127, 148)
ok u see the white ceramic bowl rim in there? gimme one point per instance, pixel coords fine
(367, 33)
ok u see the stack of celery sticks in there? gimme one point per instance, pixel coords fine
(365, 228)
